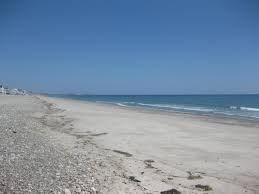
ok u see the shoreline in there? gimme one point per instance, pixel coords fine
(217, 118)
(216, 112)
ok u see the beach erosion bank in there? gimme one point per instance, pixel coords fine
(129, 150)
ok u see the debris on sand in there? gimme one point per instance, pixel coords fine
(98, 134)
(171, 191)
(123, 153)
(204, 187)
(148, 163)
(132, 178)
(193, 176)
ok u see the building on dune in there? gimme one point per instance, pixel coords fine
(15, 91)
(7, 91)
(2, 90)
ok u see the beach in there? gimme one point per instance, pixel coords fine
(114, 149)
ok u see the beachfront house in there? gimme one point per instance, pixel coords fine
(7, 91)
(22, 92)
(2, 90)
(14, 91)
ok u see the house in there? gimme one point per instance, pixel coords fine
(22, 92)
(7, 91)
(14, 91)
(2, 90)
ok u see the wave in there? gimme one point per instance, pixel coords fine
(249, 112)
(154, 105)
(114, 103)
(249, 109)
(120, 104)
(200, 109)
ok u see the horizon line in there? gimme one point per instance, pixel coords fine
(197, 94)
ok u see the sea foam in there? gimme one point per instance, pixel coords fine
(249, 109)
(178, 107)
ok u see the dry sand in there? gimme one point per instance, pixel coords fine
(159, 151)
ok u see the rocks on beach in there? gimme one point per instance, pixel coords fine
(30, 162)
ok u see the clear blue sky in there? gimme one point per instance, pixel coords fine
(130, 47)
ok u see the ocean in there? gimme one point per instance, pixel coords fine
(238, 106)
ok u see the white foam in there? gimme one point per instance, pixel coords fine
(249, 109)
(242, 111)
(200, 109)
(120, 104)
(154, 105)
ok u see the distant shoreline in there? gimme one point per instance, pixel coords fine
(205, 115)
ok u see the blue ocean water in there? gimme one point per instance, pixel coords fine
(244, 106)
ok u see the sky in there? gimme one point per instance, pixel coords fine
(130, 47)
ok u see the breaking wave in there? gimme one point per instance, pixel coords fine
(178, 107)
(237, 106)
(249, 109)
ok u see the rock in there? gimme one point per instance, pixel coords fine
(193, 176)
(78, 190)
(80, 183)
(204, 187)
(93, 189)
(171, 191)
(149, 163)
(132, 178)
(67, 191)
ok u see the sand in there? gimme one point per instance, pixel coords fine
(57, 145)
(160, 151)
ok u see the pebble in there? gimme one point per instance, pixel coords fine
(78, 190)
(93, 189)
(35, 159)
(67, 191)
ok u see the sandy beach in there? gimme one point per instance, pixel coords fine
(130, 150)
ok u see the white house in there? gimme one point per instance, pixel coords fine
(7, 91)
(2, 90)
(14, 91)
